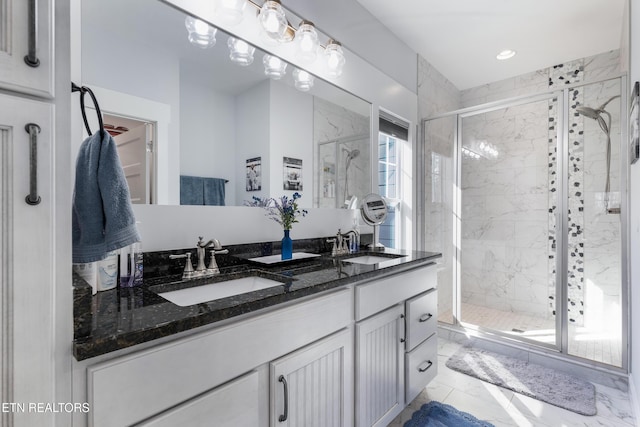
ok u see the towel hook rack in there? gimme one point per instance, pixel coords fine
(83, 90)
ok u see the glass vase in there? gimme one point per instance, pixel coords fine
(287, 246)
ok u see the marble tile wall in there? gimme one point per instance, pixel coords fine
(508, 209)
(334, 129)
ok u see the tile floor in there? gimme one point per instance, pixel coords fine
(591, 343)
(504, 408)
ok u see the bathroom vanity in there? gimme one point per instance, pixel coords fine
(344, 340)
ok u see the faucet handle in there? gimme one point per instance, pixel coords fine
(213, 265)
(188, 267)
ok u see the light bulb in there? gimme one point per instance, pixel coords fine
(240, 51)
(303, 81)
(307, 42)
(335, 58)
(273, 20)
(230, 11)
(274, 67)
(201, 34)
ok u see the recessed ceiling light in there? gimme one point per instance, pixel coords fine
(506, 54)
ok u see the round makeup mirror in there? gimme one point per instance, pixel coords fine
(374, 212)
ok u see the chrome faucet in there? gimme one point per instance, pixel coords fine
(212, 269)
(344, 243)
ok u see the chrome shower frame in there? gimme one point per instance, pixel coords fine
(560, 349)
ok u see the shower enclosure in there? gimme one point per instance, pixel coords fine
(344, 171)
(524, 201)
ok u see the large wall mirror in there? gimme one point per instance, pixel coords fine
(194, 127)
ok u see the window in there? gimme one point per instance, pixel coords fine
(392, 134)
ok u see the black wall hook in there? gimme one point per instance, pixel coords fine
(83, 90)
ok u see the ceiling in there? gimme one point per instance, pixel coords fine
(461, 38)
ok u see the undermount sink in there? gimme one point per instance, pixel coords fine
(371, 259)
(218, 290)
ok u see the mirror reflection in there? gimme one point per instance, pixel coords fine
(212, 120)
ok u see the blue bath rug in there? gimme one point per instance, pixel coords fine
(436, 414)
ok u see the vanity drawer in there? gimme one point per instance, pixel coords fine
(421, 319)
(376, 296)
(421, 366)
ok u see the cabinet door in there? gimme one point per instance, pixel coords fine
(16, 28)
(27, 259)
(380, 368)
(313, 386)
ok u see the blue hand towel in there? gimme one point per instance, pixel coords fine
(191, 190)
(102, 216)
(214, 191)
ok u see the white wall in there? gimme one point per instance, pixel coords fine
(134, 79)
(253, 137)
(291, 125)
(207, 131)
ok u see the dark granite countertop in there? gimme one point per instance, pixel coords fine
(123, 317)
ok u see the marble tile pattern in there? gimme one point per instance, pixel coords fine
(123, 317)
(336, 128)
(559, 75)
(509, 202)
(505, 408)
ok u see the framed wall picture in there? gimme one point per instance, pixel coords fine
(292, 174)
(634, 125)
(254, 174)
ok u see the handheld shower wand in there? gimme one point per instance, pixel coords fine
(596, 114)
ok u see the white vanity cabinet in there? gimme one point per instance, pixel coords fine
(396, 344)
(189, 377)
(313, 387)
(27, 34)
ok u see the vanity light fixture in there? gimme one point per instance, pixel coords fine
(335, 58)
(201, 34)
(230, 11)
(306, 40)
(274, 67)
(303, 81)
(506, 54)
(273, 20)
(275, 29)
(240, 51)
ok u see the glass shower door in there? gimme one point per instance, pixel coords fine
(507, 210)
(595, 294)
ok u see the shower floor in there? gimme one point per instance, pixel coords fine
(596, 345)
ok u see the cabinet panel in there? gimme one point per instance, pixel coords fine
(231, 405)
(422, 367)
(27, 273)
(15, 22)
(380, 368)
(422, 320)
(313, 387)
(375, 296)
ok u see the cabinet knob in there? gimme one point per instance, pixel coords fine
(401, 339)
